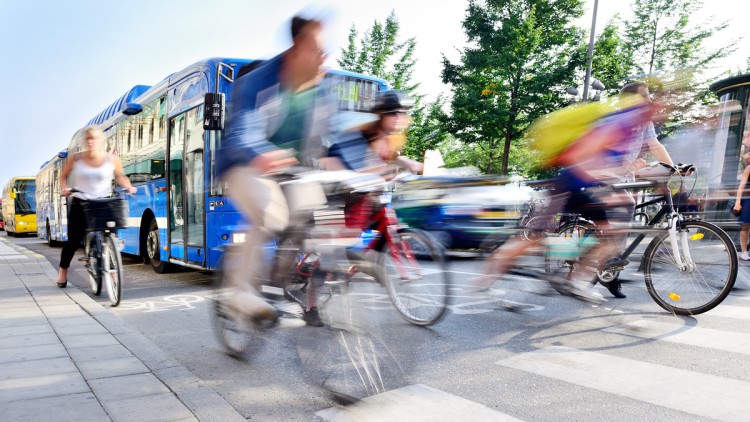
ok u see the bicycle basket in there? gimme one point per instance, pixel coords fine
(105, 214)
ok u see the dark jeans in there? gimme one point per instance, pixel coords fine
(76, 232)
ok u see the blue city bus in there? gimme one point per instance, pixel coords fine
(51, 209)
(180, 215)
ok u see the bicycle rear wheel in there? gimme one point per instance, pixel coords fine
(112, 270)
(693, 290)
(414, 271)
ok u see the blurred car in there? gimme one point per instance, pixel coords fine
(461, 212)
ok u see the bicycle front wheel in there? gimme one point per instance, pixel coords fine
(414, 271)
(94, 263)
(112, 274)
(709, 275)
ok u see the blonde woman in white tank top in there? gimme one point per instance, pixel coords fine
(91, 172)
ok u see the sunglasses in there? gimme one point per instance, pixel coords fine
(393, 112)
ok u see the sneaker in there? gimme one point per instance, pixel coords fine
(615, 288)
(312, 318)
(744, 256)
(581, 290)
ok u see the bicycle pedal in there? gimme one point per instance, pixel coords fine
(84, 259)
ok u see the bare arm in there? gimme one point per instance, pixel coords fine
(659, 151)
(741, 188)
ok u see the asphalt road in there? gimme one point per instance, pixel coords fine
(560, 360)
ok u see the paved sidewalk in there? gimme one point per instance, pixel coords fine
(64, 357)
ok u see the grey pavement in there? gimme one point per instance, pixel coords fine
(65, 357)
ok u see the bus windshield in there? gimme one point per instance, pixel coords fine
(25, 202)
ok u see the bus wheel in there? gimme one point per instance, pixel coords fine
(50, 242)
(153, 249)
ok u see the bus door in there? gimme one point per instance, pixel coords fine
(55, 202)
(186, 191)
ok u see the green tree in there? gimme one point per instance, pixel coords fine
(612, 59)
(664, 40)
(661, 36)
(522, 56)
(379, 53)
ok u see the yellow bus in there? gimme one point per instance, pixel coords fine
(19, 206)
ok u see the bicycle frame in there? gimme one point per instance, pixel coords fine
(679, 245)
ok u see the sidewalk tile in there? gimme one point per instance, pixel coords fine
(43, 386)
(178, 378)
(126, 387)
(27, 330)
(108, 368)
(88, 340)
(63, 311)
(159, 407)
(82, 329)
(8, 322)
(82, 407)
(29, 340)
(12, 370)
(66, 322)
(151, 355)
(21, 354)
(209, 406)
(86, 354)
(113, 324)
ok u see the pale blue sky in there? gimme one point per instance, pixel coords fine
(65, 61)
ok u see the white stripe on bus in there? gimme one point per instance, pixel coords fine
(709, 396)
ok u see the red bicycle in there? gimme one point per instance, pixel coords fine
(407, 262)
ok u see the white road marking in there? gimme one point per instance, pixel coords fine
(682, 334)
(705, 395)
(414, 403)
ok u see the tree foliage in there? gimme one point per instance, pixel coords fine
(522, 56)
(663, 39)
(662, 36)
(612, 59)
(380, 53)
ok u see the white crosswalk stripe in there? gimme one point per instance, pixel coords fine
(705, 395)
(730, 311)
(682, 334)
(673, 389)
(414, 403)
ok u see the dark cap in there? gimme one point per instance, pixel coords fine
(392, 100)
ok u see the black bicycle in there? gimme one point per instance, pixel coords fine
(102, 246)
(690, 266)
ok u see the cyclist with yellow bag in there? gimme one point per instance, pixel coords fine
(589, 141)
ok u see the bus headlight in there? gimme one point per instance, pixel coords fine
(238, 237)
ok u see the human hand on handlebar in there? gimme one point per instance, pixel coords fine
(636, 165)
(271, 161)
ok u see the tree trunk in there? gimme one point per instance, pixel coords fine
(506, 152)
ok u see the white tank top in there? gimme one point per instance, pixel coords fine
(93, 182)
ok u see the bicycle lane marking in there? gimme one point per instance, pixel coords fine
(469, 305)
(171, 302)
